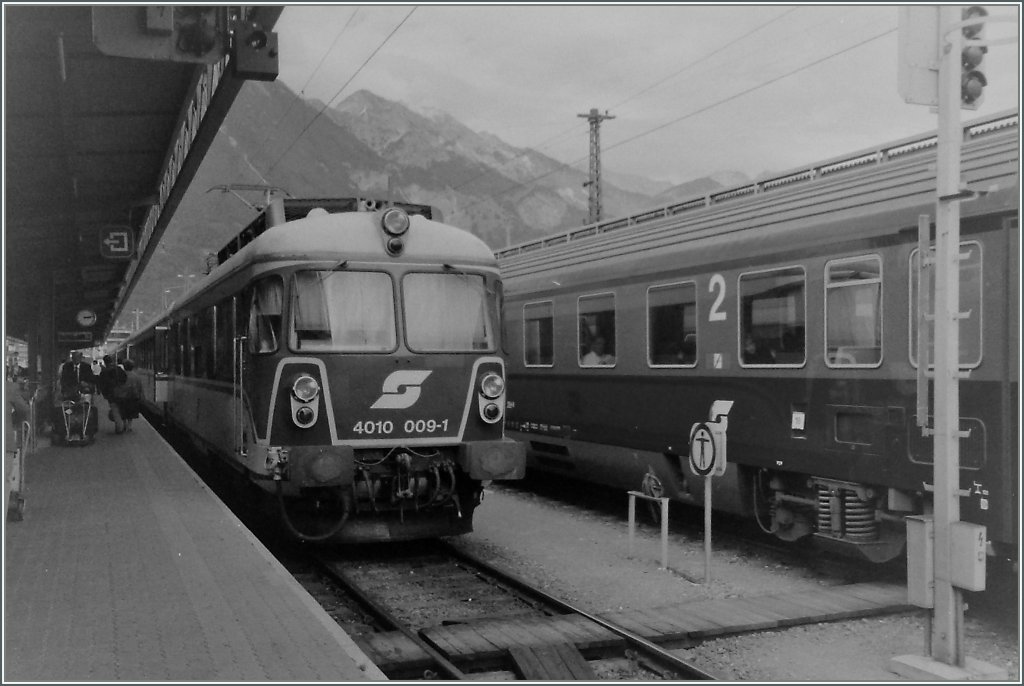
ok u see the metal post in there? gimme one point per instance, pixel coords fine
(632, 520)
(633, 495)
(664, 533)
(595, 118)
(707, 529)
(947, 631)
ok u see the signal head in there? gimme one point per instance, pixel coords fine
(976, 14)
(972, 80)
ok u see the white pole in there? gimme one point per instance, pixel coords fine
(947, 627)
(707, 529)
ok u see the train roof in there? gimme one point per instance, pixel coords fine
(319, 231)
(357, 236)
(818, 204)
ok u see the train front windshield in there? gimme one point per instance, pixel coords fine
(352, 311)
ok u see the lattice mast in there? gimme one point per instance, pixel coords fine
(594, 184)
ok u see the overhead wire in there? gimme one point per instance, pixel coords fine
(343, 87)
(541, 146)
(712, 105)
(302, 91)
(707, 57)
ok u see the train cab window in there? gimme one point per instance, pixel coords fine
(597, 330)
(538, 334)
(672, 325)
(773, 318)
(971, 286)
(343, 311)
(853, 312)
(265, 315)
(449, 312)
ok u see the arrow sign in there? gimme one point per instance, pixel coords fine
(117, 243)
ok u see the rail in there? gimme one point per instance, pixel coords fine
(828, 168)
(665, 659)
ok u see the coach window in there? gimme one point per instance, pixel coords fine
(265, 315)
(174, 348)
(195, 345)
(853, 312)
(597, 330)
(539, 334)
(772, 318)
(223, 358)
(971, 281)
(451, 312)
(672, 325)
(344, 311)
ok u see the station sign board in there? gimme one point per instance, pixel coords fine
(117, 243)
(74, 337)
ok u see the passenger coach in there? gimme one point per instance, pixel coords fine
(794, 297)
(344, 355)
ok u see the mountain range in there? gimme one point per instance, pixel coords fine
(368, 146)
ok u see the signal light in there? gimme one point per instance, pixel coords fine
(972, 80)
(254, 52)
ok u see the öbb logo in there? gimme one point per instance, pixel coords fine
(401, 389)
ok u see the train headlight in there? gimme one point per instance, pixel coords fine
(305, 388)
(304, 416)
(492, 385)
(492, 412)
(394, 221)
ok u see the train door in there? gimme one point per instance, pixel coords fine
(256, 353)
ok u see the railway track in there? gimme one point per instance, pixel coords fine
(411, 596)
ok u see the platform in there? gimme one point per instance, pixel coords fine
(127, 568)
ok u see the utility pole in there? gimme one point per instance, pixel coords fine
(947, 632)
(138, 313)
(941, 48)
(595, 118)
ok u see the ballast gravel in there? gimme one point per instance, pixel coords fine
(583, 555)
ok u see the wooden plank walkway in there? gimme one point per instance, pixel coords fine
(493, 639)
(557, 662)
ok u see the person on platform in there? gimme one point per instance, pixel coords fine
(110, 379)
(16, 409)
(128, 395)
(73, 373)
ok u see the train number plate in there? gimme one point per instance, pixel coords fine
(387, 427)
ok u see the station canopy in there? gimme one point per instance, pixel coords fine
(108, 112)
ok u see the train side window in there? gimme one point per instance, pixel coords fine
(195, 345)
(265, 315)
(853, 312)
(971, 287)
(223, 357)
(174, 348)
(773, 318)
(672, 325)
(597, 330)
(539, 334)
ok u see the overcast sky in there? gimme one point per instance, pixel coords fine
(693, 89)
